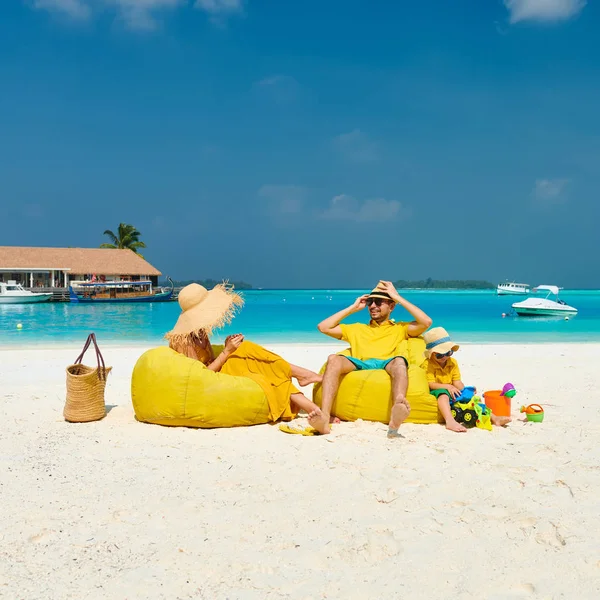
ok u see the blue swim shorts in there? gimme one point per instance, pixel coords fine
(371, 364)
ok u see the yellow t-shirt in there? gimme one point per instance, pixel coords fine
(446, 375)
(376, 341)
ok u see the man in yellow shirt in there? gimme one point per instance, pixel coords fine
(377, 345)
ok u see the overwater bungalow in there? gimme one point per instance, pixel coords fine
(57, 268)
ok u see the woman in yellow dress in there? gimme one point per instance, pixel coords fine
(202, 312)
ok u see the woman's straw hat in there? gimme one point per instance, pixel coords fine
(204, 310)
(438, 340)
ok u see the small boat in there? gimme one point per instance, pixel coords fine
(12, 292)
(544, 307)
(103, 292)
(513, 289)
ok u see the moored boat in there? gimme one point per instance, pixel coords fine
(512, 289)
(544, 307)
(118, 291)
(12, 292)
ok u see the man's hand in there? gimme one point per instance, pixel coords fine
(421, 320)
(331, 325)
(360, 303)
(389, 289)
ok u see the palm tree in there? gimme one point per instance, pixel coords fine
(128, 237)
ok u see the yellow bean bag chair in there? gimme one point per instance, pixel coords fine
(168, 388)
(368, 394)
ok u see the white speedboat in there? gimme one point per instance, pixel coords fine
(544, 307)
(12, 292)
(512, 289)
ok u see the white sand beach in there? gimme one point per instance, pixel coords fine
(122, 510)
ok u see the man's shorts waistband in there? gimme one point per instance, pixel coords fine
(371, 364)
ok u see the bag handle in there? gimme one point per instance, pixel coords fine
(99, 358)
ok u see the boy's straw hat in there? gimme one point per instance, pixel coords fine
(438, 340)
(204, 310)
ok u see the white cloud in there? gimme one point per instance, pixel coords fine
(141, 14)
(543, 10)
(220, 7)
(284, 199)
(550, 191)
(138, 14)
(347, 208)
(74, 9)
(356, 146)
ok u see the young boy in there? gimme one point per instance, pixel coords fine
(444, 376)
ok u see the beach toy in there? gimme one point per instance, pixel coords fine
(472, 413)
(533, 412)
(19, 325)
(509, 390)
(367, 395)
(465, 413)
(466, 395)
(498, 402)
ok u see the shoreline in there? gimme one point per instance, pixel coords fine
(117, 344)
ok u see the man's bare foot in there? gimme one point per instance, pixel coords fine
(319, 421)
(305, 380)
(454, 426)
(399, 413)
(500, 421)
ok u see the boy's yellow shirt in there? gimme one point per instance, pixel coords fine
(376, 341)
(446, 375)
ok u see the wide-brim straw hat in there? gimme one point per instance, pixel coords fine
(204, 310)
(438, 340)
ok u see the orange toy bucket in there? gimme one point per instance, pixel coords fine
(497, 403)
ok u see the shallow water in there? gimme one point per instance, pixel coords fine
(291, 316)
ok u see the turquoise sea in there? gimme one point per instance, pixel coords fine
(291, 316)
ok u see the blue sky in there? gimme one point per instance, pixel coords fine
(319, 143)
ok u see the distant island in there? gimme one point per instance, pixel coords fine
(444, 284)
(210, 283)
(422, 284)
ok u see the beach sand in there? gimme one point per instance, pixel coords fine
(120, 509)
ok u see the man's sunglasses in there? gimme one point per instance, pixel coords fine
(447, 355)
(375, 301)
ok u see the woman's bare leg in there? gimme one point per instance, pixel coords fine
(300, 401)
(305, 376)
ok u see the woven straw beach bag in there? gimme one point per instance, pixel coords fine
(85, 387)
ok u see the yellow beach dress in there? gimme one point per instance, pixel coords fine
(270, 371)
